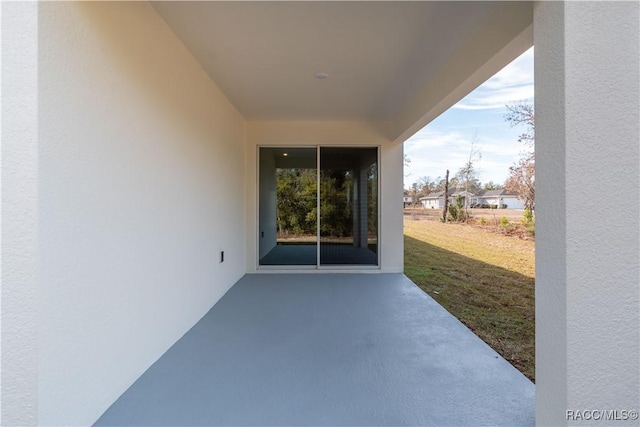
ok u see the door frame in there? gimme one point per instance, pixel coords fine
(318, 267)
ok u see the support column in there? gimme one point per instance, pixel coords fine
(588, 228)
(19, 210)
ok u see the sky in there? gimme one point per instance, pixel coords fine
(445, 143)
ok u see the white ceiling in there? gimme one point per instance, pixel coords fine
(264, 55)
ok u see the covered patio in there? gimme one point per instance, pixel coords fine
(131, 134)
(327, 349)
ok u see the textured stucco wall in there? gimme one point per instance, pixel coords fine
(141, 172)
(588, 255)
(267, 133)
(19, 228)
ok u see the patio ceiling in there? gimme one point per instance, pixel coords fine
(378, 56)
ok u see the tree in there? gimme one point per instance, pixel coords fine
(414, 194)
(430, 186)
(521, 179)
(296, 200)
(434, 185)
(446, 197)
(492, 186)
(424, 187)
(457, 211)
(468, 175)
(522, 114)
(446, 183)
(406, 162)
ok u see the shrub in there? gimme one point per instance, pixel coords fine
(528, 217)
(456, 211)
(453, 213)
(483, 221)
(531, 229)
(504, 222)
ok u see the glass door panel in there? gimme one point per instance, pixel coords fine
(287, 222)
(348, 206)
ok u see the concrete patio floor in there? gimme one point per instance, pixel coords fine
(327, 349)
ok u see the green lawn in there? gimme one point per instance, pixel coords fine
(484, 279)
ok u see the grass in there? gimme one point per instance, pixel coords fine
(484, 279)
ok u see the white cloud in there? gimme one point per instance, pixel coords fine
(512, 84)
(496, 98)
(432, 152)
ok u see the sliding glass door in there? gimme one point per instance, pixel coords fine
(348, 206)
(318, 207)
(288, 199)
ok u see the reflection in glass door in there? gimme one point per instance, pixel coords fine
(288, 204)
(294, 209)
(348, 206)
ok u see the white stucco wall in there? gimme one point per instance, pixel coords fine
(19, 227)
(141, 159)
(588, 255)
(267, 133)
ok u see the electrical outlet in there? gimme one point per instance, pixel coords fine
(221, 256)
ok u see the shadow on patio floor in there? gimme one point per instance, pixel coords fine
(496, 303)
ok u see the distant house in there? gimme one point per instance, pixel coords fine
(433, 200)
(483, 198)
(407, 199)
(436, 200)
(497, 198)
